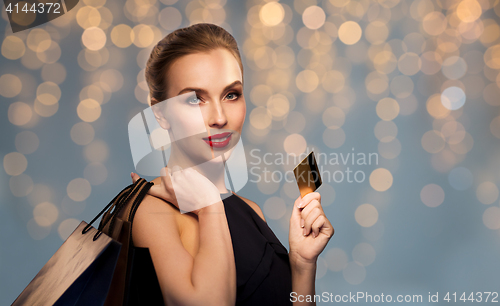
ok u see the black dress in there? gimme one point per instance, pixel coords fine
(262, 266)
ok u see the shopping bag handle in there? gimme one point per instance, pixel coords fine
(122, 197)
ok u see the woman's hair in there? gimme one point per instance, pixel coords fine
(200, 37)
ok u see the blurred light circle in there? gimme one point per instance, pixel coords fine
(491, 94)
(47, 99)
(464, 146)
(260, 118)
(87, 17)
(364, 253)
(390, 150)
(271, 14)
(13, 47)
(26, 142)
(274, 208)
(307, 81)
(495, 127)
(454, 67)
(433, 141)
(386, 131)
(409, 63)
(94, 38)
(38, 40)
(260, 94)
(170, 18)
(96, 151)
(313, 17)
(460, 178)
(89, 110)
(67, 227)
(112, 78)
(350, 32)
(376, 32)
(354, 273)
(376, 82)
(469, 10)
(453, 98)
(21, 185)
(82, 133)
(381, 179)
(10, 85)
(334, 138)
(46, 110)
(36, 231)
(387, 109)
(366, 215)
(434, 23)
(78, 189)
(122, 35)
(333, 117)
(336, 259)
(19, 113)
(95, 173)
(402, 86)
(435, 108)
(453, 131)
(491, 32)
(487, 192)
(339, 3)
(491, 218)
(295, 144)
(492, 57)
(279, 106)
(45, 214)
(432, 195)
(14, 163)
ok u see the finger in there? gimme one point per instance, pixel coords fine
(308, 222)
(308, 198)
(134, 177)
(296, 214)
(322, 225)
(306, 210)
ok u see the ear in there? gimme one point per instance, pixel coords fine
(159, 115)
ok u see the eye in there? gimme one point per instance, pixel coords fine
(233, 96)
(194, 100)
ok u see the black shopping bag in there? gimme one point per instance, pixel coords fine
(79, 273)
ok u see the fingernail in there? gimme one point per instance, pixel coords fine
(304, 232)
(299, 205)
(314, 235)
(301, 222)
(132, 174)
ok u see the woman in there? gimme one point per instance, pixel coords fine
(222, 252)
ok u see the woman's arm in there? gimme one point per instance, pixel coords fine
(310, 231)
(207, 279)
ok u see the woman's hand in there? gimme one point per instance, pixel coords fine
(187, 189)
(310, 230)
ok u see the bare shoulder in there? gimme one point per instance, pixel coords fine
(253, 205)
(154, 216)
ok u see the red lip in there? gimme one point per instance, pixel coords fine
(218, 136)
(218, 144)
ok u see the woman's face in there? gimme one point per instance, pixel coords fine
(208, 122)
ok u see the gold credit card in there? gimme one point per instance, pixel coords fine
(307, 175)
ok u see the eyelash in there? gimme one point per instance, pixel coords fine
(237, 94)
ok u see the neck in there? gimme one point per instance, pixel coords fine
(212, 170)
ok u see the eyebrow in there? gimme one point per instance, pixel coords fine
(203, 91)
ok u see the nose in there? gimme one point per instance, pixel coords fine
(217, 117)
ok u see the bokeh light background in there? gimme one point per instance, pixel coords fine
(416, 82)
